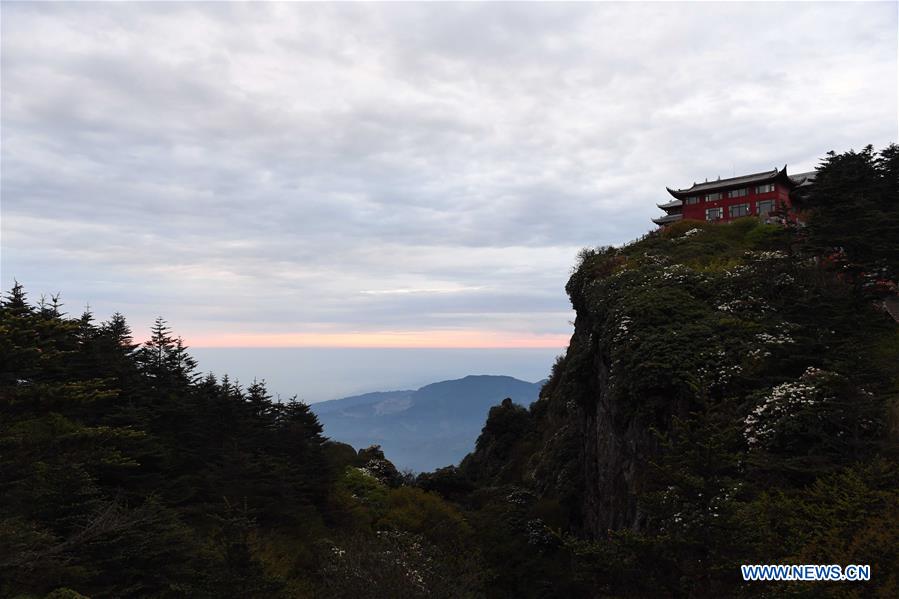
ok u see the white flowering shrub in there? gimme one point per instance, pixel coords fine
(621, 330)
(394, 564)
(763, 256)
(677, 273)
(747, 306)
(819, 407)
(687, 235)
(540, 534)
(779, 338)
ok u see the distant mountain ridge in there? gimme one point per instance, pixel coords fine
(422, 429)
(361, 404)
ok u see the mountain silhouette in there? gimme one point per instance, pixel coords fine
(422, 429)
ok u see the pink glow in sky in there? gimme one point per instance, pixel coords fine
(447, 339)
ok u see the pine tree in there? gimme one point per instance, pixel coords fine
(853, 207)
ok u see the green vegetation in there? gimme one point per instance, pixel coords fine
(730, 395)
(125, 474)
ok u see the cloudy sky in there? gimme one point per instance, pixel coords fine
(395, 175)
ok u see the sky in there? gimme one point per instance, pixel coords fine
(395, 175)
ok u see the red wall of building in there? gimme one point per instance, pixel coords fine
(697, 211)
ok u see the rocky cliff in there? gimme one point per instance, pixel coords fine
(729, 396)
(696, 324)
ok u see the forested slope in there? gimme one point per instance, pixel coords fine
(729, 396)
(124, 474)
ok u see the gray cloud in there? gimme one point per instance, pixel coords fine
(261, 167)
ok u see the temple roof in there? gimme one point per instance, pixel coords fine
(670, 205)
(668, 218)
(722, 184)
(804, 179)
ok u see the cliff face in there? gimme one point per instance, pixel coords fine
(611, 449)
(729, 396)
(596, 452)
(592, 455)
(616, 448)
(698, 324)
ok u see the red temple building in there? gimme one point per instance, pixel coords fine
(760, 194)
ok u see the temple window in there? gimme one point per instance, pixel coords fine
(738, 210)
(765, 207)
(714, 214)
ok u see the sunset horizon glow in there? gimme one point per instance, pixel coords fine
(436, 339)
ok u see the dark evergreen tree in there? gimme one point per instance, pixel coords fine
(854, 211)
